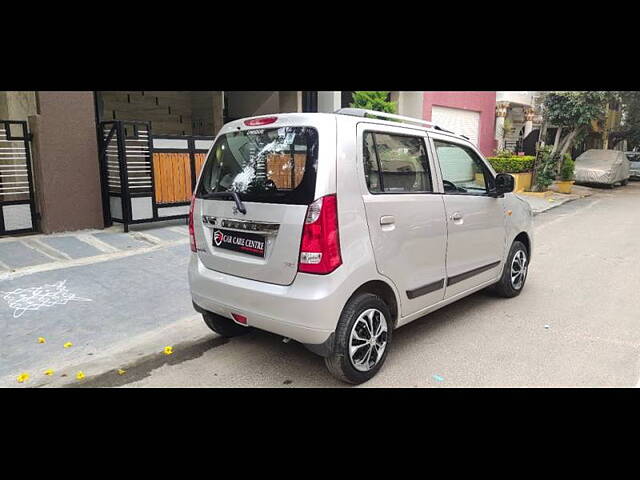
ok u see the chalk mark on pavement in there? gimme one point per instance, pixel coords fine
(35, 298)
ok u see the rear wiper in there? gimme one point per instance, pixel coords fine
(234, 195)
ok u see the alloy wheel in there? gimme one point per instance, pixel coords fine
(519, 269)
(368, 340)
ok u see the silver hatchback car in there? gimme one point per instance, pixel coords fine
(335, 229)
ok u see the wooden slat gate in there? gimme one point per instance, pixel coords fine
(147, 178)
(17, 203)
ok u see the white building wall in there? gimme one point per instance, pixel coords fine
(328, 101)
(410, 103)
(524, 98)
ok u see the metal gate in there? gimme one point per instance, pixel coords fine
(17, 204)
(147, 178)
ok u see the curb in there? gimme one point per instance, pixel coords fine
(144, 366)
(564, 202)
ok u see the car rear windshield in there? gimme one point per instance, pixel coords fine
(276, 165)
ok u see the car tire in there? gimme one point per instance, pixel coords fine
(353, 359)
(511, 284)
(224, 326)
(624, 183)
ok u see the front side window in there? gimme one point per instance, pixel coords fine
(276, 165)
(396, 164)
(462, 170)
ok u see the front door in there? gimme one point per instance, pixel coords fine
(475, 219)
(406, 218)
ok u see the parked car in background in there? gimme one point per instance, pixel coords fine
(335, 229)
(634, 164)
(602, 167)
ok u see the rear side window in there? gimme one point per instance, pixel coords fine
(276, 165)
(396, 164)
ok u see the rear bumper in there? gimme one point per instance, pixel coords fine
(306, 311)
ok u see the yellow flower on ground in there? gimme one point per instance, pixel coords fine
(23, 377)
(48, 372)
(121, 371)
(68, 344)
(80, 375)
(168, 350)
(41, 340)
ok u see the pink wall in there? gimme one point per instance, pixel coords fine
(483, 102)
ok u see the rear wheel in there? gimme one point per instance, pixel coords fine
(514, 274)
(624, 182)
(224, 326)
(362, 339)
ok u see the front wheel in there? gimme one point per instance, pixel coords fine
(514, 274)
(362, 339)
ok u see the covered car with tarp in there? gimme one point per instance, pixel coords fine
(602, 167)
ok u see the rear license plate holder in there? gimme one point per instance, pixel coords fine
(242, 242)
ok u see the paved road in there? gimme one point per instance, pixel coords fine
(576, 324)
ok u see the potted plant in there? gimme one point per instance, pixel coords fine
(566, 175)
(518, 166)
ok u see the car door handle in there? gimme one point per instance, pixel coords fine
(456, 217)
(387, 220)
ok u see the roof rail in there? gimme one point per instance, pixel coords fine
(444, 130)
(361, 112)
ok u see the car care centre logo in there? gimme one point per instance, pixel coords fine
(218, 237)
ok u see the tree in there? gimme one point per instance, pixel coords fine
(572, 113)
(629, 129)
(373, 101)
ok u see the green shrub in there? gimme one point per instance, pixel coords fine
(504, 154)
(512, 163)
(568, 168)
(373, 101)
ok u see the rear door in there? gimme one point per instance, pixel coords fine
(274, 170)
(406, 219)
(475, 219)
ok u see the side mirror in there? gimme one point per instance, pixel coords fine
(505, 183)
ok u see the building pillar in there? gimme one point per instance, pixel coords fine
(289, 102)
(529, 114)
(410, 104)
(502, 108)
(329, 102)
(218, 111)
(65, 162)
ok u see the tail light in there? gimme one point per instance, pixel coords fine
(192, 233)
(320, 245)
(256, 122)
(239, 318)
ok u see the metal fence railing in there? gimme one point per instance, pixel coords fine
(17, 203)
(146, 177)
